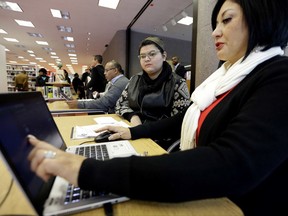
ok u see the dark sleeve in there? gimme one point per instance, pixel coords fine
(164, 128)
(93, 75)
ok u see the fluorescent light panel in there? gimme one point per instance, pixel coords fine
(108, 3)
(24, 23)
(60, 14)
(11, 40)
(56, 13)
(2, 31)
(186, 21)
(10, 6)
(42, 42)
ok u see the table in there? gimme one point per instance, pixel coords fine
(16, 203)
(60, 108)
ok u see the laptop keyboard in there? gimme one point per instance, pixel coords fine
(75, 194)
(98, 152)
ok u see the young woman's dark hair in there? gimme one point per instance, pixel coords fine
(267, 27)
(152, 40)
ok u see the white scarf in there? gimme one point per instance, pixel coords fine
(221, 81)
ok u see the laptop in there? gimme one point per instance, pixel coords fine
(24, 113)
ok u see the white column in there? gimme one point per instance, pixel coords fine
(3, 72)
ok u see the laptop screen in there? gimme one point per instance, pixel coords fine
(21, 114)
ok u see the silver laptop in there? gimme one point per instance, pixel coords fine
(26, 113)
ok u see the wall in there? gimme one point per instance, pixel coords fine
(116, 50)
(3, 73)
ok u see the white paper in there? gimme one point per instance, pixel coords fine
(81, 132)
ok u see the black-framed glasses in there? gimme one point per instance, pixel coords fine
(150, 54)
(108, 69)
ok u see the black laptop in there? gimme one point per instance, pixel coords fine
(24, 113)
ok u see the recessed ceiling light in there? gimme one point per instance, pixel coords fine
(11, 40)
(64, 29)
(30, 51)
(47, 48)
(35, 34)
(186, 20)
(7, 50)
(42, 42)
(55, 57)
(68, 38)
(108, 4)
(10, 6)
(52, 53)
(20, 46)
(33, 55)
(70, 45)
(164, 27)
(24, 23)
(173, 22)
(60, 14)
(20, 57)
(2, 31)
(69, 54)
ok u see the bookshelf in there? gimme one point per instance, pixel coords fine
(14, 69)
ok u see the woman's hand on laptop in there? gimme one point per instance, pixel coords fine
(47, 161)
(119, 132)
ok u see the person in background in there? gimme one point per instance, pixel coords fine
(235, 133)
(105, 101)
(156, 93)
(85, 78)
(66, 76)
(42, 78)
(98, 81)
(21, 81)
(78, 86)
(178, 68)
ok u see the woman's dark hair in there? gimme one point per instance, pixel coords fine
(267, 22)
(154, 41)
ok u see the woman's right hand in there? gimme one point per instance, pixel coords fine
(73, 104)
(119, 132)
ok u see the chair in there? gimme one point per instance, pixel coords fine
(175, 146)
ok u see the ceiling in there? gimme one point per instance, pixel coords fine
(93, 27)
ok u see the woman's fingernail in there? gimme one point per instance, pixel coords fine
(31, 136)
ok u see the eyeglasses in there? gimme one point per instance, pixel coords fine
(150, 55)
(106, 70)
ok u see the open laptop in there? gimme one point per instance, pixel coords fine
(26, 113)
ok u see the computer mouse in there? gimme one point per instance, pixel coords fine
(103, 137)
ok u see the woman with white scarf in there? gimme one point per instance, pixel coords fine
(234, 138)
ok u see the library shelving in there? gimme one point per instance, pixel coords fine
(14, 69)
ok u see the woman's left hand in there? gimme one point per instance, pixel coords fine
(47, 161)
